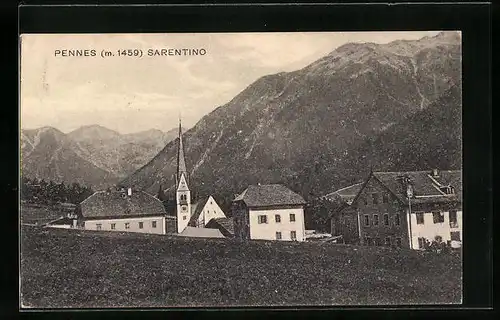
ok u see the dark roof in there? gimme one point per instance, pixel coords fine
(269, 195)
(425, 186)
(197, 208)
(346, 193)
(61, 221)
(224, 223)
(119, 204)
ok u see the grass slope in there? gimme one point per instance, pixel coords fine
(65, 268)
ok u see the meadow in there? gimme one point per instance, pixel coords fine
(92, 269)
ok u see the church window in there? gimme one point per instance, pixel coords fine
(293, 235)
(292, 217)
(113, 226)
(127, 225)
(277, 218)
(153, 224)
(183, 217)
(141, 225)
(278, 235)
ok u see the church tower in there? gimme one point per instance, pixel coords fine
(183, 194)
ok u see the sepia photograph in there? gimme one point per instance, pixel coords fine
(271, 169)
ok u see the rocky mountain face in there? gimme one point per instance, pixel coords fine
(91, 155)
(300, 128)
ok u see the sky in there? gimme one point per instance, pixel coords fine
(131, 94)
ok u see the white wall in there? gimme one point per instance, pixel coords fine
(267, 231)
(183, 216)
(210, 210)
(430, 230)
(134, 224)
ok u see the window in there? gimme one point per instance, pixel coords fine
(421, 243)
(113, 226)
(153, 224)
(438, 217)
(377, 242)
(277, 218)
(455, 236)
(293, 235)
(292, 217)
(184, 217)
(141, 225)
(398, 242)
(367, 220)
(127, 225)
(453, 219)
(278, 235)
(98, 226)
(385, 198)
(388, 241)
(375, 219)
(262, 219)
(375, 198)
(397, 220)
(386, 219)
(420, 217)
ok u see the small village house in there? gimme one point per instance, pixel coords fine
(125, 210)
(405, 209)
(343, 198)
(269, 212)
(205, 210)
(224, 225)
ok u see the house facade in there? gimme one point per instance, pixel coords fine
(404, 209)
(205, 210)
(269, 212)
(129, 211)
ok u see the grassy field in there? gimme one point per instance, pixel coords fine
(83, 269)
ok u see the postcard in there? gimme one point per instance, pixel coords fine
(163, 170)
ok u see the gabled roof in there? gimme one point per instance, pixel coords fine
(197, 208)
(269, 195)
(425, 185)
(118, 204)
(225, 223)
(346, 193)
(201, 233)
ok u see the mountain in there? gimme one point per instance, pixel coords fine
(296, 127)
(92, 155)
(120, 154)
(47, 153)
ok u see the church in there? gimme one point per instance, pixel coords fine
(191, 214)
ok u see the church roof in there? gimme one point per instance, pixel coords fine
(181, 162)
(118, 204)
(269, 195)
(196, 209)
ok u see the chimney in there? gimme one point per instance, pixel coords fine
(435, 173)
(129, 192)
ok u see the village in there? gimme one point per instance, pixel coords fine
(418, 210)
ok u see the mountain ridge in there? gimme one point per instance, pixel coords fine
(288, 127)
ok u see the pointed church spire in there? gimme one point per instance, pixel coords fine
(181, 162)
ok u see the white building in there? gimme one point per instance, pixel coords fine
(191, 214)
(129, 211)
(269, 212)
